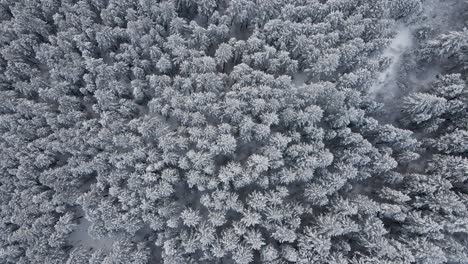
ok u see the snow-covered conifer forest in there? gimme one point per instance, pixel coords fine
(233, 131)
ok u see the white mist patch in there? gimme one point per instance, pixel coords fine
(402, 41)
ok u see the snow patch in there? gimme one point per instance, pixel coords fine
(81, 237)
(299, 79)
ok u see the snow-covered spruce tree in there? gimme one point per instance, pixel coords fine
(216, 131)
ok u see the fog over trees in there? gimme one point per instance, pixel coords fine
(233, 131)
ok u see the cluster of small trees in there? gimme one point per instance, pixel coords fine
(215, 131)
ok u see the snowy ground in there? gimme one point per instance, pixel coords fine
(81, 237)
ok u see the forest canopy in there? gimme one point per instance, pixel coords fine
(233, 131)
